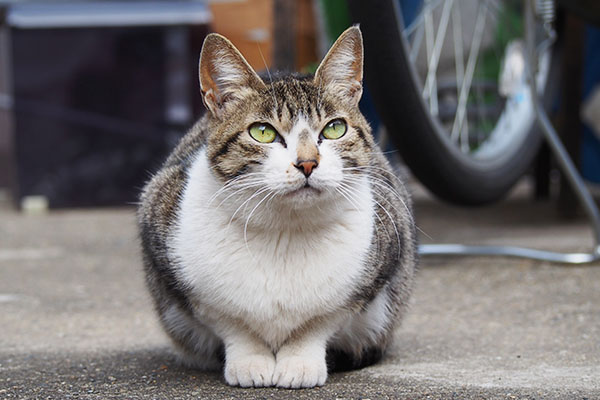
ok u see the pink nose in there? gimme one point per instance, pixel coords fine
(306, 166)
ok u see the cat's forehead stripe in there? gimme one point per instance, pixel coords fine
(287, 98)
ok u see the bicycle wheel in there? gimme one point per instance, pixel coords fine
(456, 102)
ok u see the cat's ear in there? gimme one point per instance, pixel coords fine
(342, 68)
(225, 75)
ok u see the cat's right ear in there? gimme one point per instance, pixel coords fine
(225, 75)
(342, 68)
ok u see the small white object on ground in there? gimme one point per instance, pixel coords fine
(34, 205)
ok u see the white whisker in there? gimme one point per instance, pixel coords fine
(270, 193)
(240, 189)
(257, 193)
(248, 177)
(385, 185)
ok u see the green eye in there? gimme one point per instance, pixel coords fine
(262, 132)
(334, 129)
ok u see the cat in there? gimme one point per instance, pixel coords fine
(277, 241)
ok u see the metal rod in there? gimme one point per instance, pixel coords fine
(508, 251)
(567, 167)
(563, 158)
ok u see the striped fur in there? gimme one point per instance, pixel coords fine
(253, 262)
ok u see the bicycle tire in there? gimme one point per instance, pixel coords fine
(449, 175)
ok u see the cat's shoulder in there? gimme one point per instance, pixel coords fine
(161, 196)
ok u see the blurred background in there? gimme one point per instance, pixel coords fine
(94, 94)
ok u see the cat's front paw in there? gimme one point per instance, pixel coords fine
(300, 372)
(252, 370)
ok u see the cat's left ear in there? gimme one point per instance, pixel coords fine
(225, 75)
(342, 68)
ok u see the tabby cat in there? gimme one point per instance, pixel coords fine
(277, 241)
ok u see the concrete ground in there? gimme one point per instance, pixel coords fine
(76, 322)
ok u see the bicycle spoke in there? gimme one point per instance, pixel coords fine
(419, 20)
(429, 33)
(459, 56)
(416, 44)
(430, 90)
(466, 85)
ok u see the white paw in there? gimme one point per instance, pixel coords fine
(300, 372)
(253, 370)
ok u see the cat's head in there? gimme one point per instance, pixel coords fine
(298, 138)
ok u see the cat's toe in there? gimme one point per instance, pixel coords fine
(254, 370)
(300, 372)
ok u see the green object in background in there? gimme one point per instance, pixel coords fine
(509, 28)
(337, 17)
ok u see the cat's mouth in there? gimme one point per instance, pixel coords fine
(305, 190)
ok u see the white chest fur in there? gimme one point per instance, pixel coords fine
(274, 279)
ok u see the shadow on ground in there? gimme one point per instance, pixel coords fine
(154, 374)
